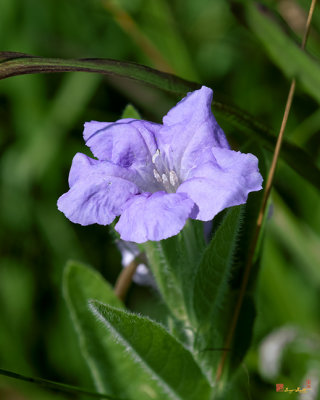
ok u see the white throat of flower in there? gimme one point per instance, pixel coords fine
(168, 179)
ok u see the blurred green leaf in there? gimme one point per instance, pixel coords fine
(298, 238)
(130, 112)
(284, 52)
(110, 366)
(161, 27)
(304, 132)
(283, 296)
(148, 343)
(37, 155)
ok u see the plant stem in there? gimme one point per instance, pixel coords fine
(55, 386)
(125, 277)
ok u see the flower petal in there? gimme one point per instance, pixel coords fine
(124, 142)
(98, 191)
(190, 131)
(154, 216)
(80, 166)
(226, 182)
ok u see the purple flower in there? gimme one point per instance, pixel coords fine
(157, 176)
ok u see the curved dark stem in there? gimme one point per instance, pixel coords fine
(55, 386)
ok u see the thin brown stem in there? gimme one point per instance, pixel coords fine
(308, 24)
(263, 207)
(125, 278)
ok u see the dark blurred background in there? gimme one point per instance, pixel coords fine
(41, 122)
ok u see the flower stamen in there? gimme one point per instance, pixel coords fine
(157, 176)
(155, 156)
(174, 181)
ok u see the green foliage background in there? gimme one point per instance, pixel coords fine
(41, 118)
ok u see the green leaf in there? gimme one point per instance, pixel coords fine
(111, 368)
(80, 284)
(173, 262)
(283, 51)
(130, 112)
(213, 273)
(244, 328)
(160, 255)
(216, 312)
(37, 155)
(12, 64)
(213, 333)
(211, 291)
(163, 357)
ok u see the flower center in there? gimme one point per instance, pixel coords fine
(167, 178)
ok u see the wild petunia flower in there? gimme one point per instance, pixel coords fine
(156, 176)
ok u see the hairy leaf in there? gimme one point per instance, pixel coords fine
(211, 291)
(163, 357)
(214, 269)
(173, 263)
(110, 366)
